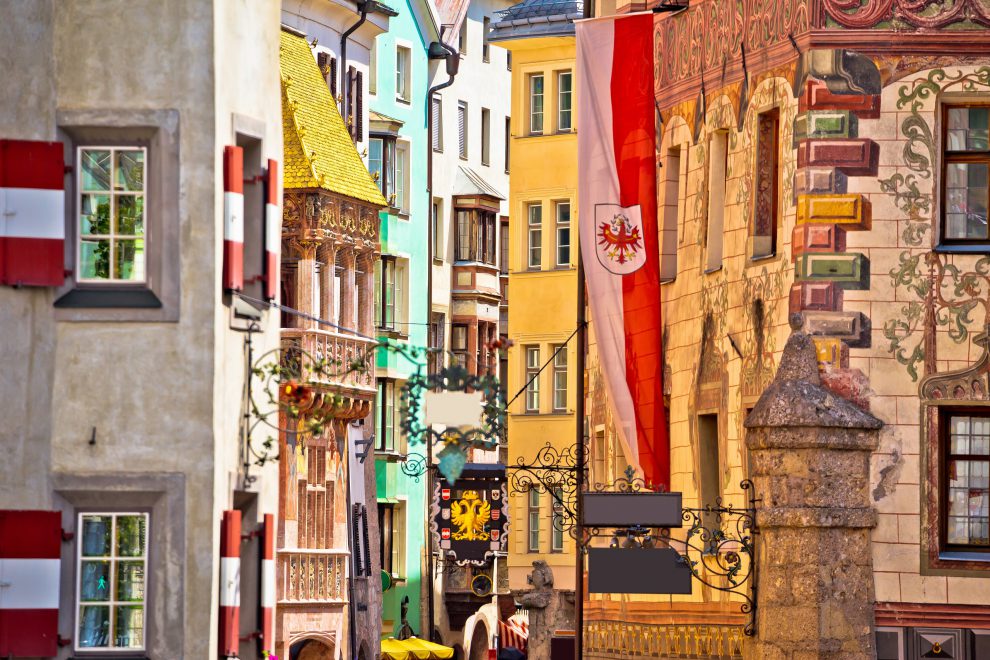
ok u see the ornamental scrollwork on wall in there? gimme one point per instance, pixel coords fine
(902, 14)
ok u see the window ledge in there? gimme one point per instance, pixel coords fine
(965, 556)
(390, 455)
(403, 100)
(709, 271)
(403, 215)
(110, 298)
(982, 248)
(558, 413)
(438, 261)
(763, 257)
(668, 280)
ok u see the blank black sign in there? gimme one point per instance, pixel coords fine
(637, 571)
(629, 509)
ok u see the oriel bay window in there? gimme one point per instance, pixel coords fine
(112, 560)
(966, 484)
(476, 236)
(111, 184)
(381, 164)
(385, 424)
(459, 344)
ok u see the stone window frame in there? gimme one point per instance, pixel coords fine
(162, 497)
(157, 299)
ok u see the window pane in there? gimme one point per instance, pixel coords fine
(129, 170)
(131, 536)
(967, 129)
(564, 102)
(95, 215)
(94, 626)
(563, 246)
(129, 627)
(96, 536)
(94, 260)
(94, 581)
(130, 214)
(95, 169)
(130, 581)
(129, 262)
(966, 200)
(375, 161)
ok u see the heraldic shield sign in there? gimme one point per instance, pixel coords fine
(469, 517)
(619, 238)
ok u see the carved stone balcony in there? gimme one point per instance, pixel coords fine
(309, 577)
(342, 367)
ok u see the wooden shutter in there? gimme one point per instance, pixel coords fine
(364, 540)
(436, 123)
(30, 566)
(359, 104)
(349, 114)
(359, 557)
(233, 218)
(323, 61)
(273, 230)
(32, 213)
(333, 78)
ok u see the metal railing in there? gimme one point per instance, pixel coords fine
(604, 640)
(312, 576)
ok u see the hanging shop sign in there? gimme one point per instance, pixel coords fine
(637, 571)
(469, 517)
(617, 509)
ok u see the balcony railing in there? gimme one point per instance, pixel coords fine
(330, 357)
(312, 576)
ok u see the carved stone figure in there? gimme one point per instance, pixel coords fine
(549, 609)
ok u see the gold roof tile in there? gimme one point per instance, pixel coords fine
(319, 152)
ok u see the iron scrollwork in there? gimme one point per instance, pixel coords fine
(556, 472)
(414, 465)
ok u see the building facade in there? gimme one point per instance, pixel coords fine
(831, 166)
(125, 351)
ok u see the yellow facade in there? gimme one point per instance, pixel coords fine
(543, 311)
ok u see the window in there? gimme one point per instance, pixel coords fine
(508, 60)
(402, 177)
(373, 68)
(475, 236)
(536, 104)
(560, 379)
(563, 234)
(967, 159)
(532, 378)
(112, 568)
(436, 217)
(508, 135)
(462, 129)
(534, 240)
(436, 123)
(717, 154)
(485, 46)
(328, 67)
(385, 293)
(392, 530)
(966, 484)
(767, 184)
(534, 520)
(385, 424)
(111, 245)
(382, 166)
(485, 135)
(503, 248)
(708, 458)
(437, 329)
(557, 526)
(459, 344)
(403, 73)
(564, 101)
(462, 38)
(671, 214)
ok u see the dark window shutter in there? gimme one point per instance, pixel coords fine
(32, 234)
(359, 104)
(349, 110)
(333, 77)
(323, 61)
(33, 540)
(359, 556)
(364, 538)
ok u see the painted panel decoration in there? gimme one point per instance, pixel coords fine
(469, 516)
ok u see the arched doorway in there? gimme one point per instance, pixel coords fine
(310, 649)
(479, 643)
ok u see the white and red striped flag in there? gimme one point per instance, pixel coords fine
(618, 228)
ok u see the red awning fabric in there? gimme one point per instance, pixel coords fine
(514, 632)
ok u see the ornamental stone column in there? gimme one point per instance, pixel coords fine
(810, 457)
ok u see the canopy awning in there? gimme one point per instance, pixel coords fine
(414, 649)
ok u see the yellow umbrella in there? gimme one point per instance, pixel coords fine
(433, 651)
(393, 649)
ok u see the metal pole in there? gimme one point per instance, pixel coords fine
(580, 474)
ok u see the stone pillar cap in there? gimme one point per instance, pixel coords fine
(796, 396)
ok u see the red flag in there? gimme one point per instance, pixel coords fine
(619, 242)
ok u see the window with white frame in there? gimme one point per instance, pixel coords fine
(485, 45)
(560, 378)
(563, 212)
(532, 378)
(112, 187)
(385, 431)
(557, 521)
(534, 235)
(390, 293)
(373, 68)
(403, 73)
(533, 506)
(111, 587)
(536, 104)
(392, 530)
(564, 97)
(382, 164)
(486, 140)
(436, 217)
(402, 176)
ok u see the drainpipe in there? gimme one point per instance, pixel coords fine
(363, 9)
(437, 50)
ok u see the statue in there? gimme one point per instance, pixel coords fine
(542, 580)
(406, 631)
(549, 609)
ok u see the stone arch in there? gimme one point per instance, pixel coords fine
(478, 650)
(312, 649)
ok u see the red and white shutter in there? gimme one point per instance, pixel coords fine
(273, 230)
(233, 218)
(32, 213)
(30, 552)
(268, 584)
(230, 583)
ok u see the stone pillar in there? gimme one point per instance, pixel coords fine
(348, 263)
(810, 457)
(305, 276)
(329, 253)
(366, 303)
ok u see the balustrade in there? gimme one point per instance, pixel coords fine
(312, 576)
(332, 358)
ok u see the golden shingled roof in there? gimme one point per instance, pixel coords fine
(318, 150)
